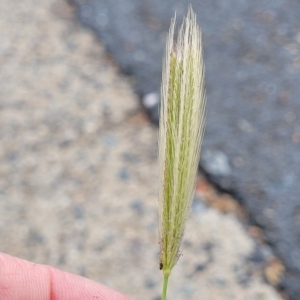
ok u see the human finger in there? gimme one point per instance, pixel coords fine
(23, 280)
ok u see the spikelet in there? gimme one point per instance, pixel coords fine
(182, 118)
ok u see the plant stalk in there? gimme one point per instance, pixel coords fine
(165, 286)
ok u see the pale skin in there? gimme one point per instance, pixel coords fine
(24, 280)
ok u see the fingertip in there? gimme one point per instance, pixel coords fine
(21, 279)
(70, 286)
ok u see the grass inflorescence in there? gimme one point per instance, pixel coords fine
(182, 118)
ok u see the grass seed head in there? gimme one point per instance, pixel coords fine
(182, 117)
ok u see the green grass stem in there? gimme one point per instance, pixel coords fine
(165, 287)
